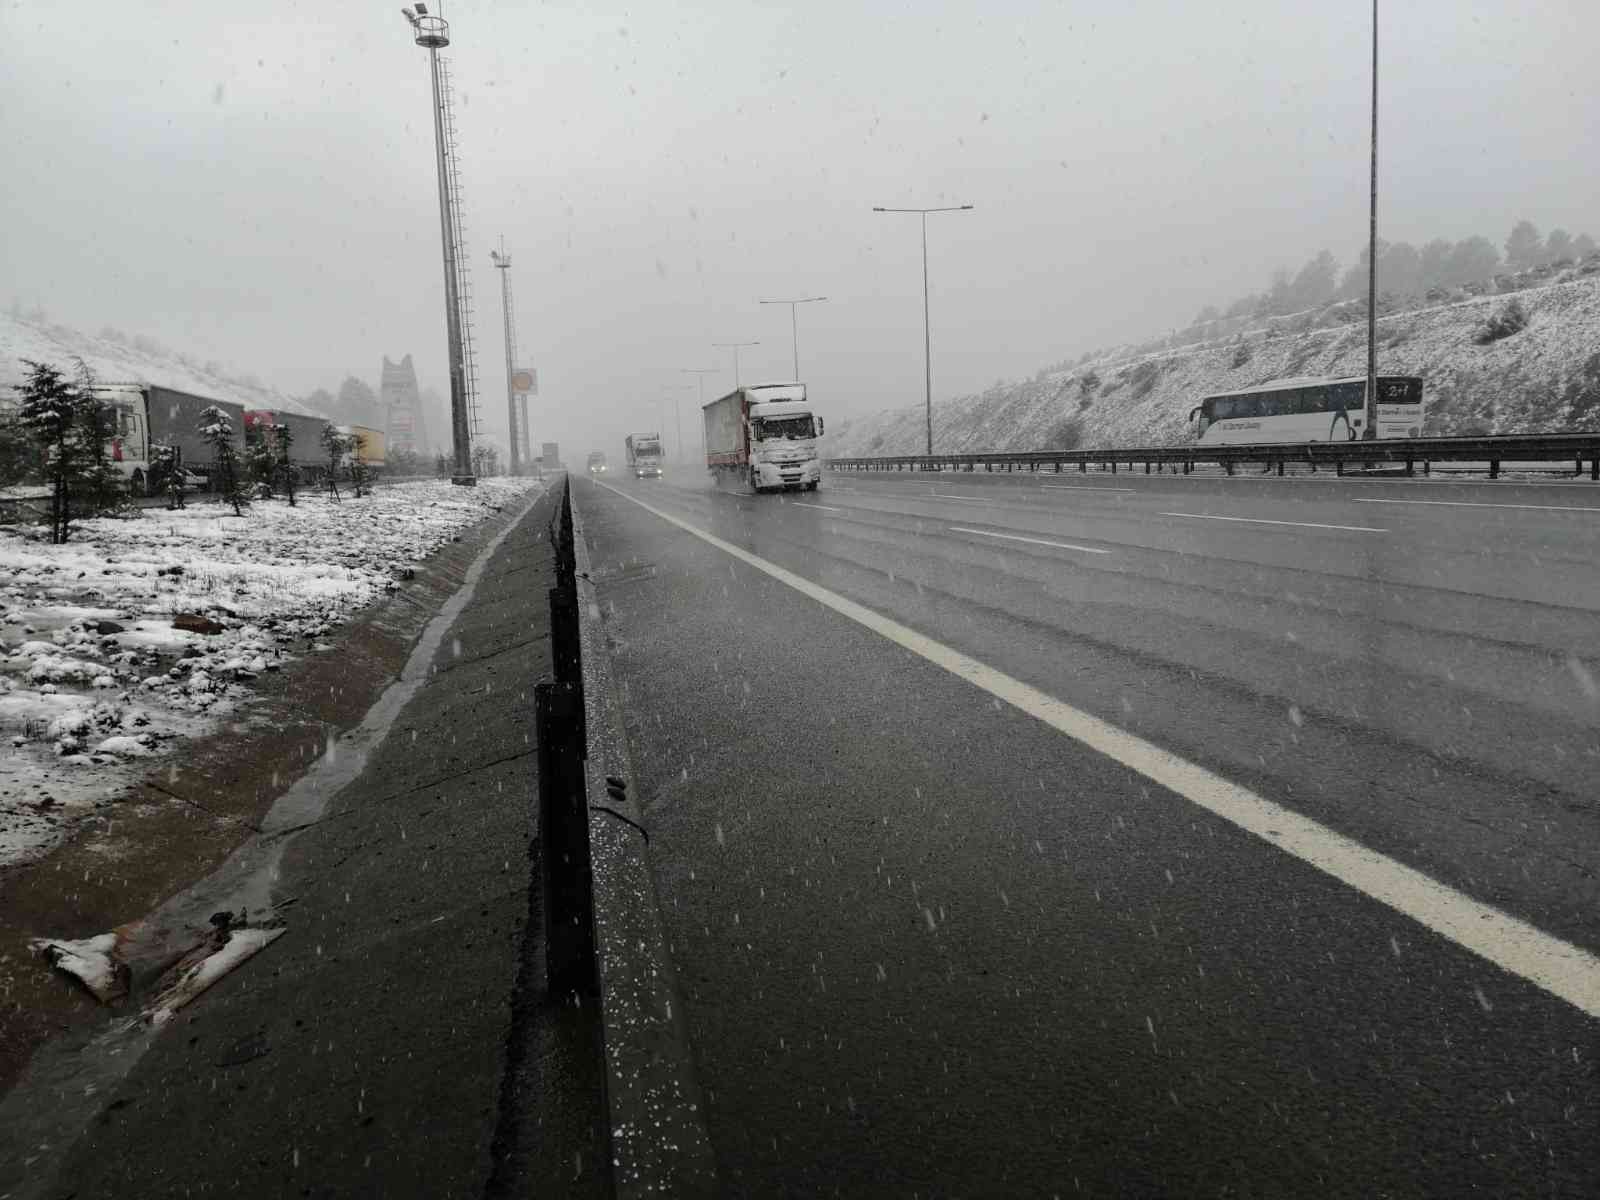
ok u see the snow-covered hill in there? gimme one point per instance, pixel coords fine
(116, 358)
(1544, 379)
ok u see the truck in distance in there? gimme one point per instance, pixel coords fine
(765, 437)
(597, 462)
(644, 455)
(550, 460)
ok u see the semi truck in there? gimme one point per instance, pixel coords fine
(146, 414)
(644, 455)
(306, 450)
(551, 458)
(763, 437)
(597, 462)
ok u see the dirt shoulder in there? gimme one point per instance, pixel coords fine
(197, 804)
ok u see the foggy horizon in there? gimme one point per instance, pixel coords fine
(262, 192)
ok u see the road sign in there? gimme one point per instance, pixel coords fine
(525, 379)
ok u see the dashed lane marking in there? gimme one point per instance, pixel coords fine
(1013, 537)
(1564, 970)
(1480, 504)
(1264, 521)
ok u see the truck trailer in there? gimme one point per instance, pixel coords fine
(763, 437)
(146, 414)
(305, 438)
(550, 460)
(644, 455)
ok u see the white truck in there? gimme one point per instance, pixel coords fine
(764, 437)
(644, 455)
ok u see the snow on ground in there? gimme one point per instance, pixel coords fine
(96, 677)
(1543, 379)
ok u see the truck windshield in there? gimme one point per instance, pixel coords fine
(768, 429)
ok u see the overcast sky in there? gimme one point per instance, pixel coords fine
(255, 182)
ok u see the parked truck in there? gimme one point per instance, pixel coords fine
(763, 437)
(644, 455)
(306, 450)
(146, 414)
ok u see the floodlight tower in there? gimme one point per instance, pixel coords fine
(433, 33)
(502, 261)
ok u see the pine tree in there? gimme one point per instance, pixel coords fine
(288, 473)
(217, 431)
(166, 465)
(1524, 246)
(49, 411)
(360, 472)
(333, 442)
(261, 459)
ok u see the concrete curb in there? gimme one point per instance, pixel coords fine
(659, 1142)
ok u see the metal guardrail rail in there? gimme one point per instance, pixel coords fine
(1580, 449)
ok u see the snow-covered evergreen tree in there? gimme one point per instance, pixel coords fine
(217, 432)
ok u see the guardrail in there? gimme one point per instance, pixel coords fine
(1576, 448)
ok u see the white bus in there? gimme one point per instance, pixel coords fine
(1309, 410)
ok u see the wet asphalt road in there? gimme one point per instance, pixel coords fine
(932, 946)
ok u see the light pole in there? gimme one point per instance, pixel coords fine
(677, 412)
(735, 347)
(433, 33)
(927, 340)
(700, 374)
(502, 262)
(794, 329)
(1370, 430)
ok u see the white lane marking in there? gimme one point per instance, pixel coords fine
(1475, 504)
(1080, 487)
(824, 507)
(1560, 968)
(967, 499)
(1012, 537)
(1264, 521)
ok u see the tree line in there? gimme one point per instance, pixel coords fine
(1431, 270)
(61, 428)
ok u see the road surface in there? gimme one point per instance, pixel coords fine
(1167, 835)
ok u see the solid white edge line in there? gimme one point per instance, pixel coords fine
(824, 507)
(1479, 504)
(1012, 537)
(1564, 970)
(1264, 521)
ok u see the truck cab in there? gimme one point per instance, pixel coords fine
(783, 433)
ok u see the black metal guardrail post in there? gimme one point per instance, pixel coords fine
(1498, 451)
(561, 730)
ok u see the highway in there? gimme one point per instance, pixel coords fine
(1092, 834)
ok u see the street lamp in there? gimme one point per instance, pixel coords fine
(927, 342)
(1371, 428)
(735, 347)
(677, 411)
(794, 333)
(502, 262)
(700, 374)
(433, 33)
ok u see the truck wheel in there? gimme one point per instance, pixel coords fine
(812, 486)
(755, 483)
(136, 484)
